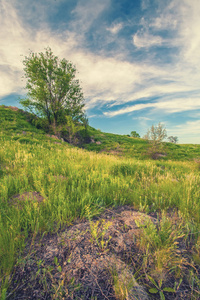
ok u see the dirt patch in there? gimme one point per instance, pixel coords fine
(97, 259)
(53, 136)
(19, 199)
(88, 260)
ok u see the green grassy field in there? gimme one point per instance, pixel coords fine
(68, 182)
(122, 145)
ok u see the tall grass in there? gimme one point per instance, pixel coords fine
(69, 180)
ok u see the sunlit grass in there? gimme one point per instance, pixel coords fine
(70, 180)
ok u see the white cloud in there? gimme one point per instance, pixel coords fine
(179, 105)
(165, 21)
(146, 40)
(128, 109)
(16, 40)
(181, 17)
(189, 30)
(191, 127)
(167, 107)
(102, 78)
(187, 132)
(114, 29)
(86, 12)
(106, 79)
(142, 119)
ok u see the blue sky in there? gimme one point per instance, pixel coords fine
(138, 61)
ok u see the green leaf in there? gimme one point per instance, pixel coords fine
(153, 281)
(168, 289)
(55, 260)
(59, 269)
(162, 297)
(153, 291)
(3, 294)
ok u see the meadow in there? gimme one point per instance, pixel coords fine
(46, 185)
(128, 147)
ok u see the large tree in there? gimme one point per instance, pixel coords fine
(53, 91)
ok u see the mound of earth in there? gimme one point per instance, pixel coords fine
(89, 260)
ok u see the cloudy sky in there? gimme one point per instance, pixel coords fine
(138, 61)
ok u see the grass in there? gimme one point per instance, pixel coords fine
(125, 146)
(72, 181)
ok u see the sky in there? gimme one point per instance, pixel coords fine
(138, 61)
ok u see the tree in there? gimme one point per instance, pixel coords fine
(135, 134)
(53, 91)
(173, 139)
(156, 134)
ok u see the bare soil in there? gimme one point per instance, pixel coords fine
(73, 264)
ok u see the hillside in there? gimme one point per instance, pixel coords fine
(76, 224)
(16, 126)
(122, 145)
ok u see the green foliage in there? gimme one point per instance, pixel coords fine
(120, 145)
(53, 92)
(69, 130)
(158, 288)
(135, 134)
(17, 122)
(40, 123)
(98, 231)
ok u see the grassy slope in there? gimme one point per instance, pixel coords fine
(71, 179)
(14, 125)
(129, 147)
